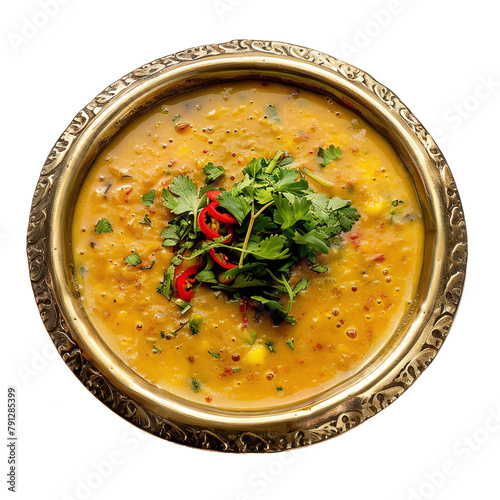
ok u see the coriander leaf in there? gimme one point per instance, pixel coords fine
(264, 196)
(205, 246)
(207, 277)
(103, 226)
(212, 172)
(187, 200)
(195, 322)
(290, 209)
(194, 385)
(271, 248)
(256, 268)
(285, 161)
(253, 168)
(263, 223)
(216, 355)
(270, 345)
(183, 306)
(319, 268)
(312, 241)
(169, 200)
(165, 287)
(237, 206)
(347, 217)
(337, 203)
(272, 113)
(133, 259)
(170, 235)
(250, 340)
(329, 154)
(287, 181)
(243, 281)
(290, 342)
(276, 309)
(146, 221)
(176, 260)
(149, 198)
(301, 285)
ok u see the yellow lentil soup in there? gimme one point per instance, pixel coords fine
(239, 357)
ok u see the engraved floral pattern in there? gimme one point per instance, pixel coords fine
(339, 419)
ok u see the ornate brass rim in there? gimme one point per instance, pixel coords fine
(398, 364)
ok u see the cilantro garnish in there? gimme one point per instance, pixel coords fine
(165, 287)
(329, 154)
(146, 221)
(149, 198)
(280, 220)
(290, 343)
(250, 340)
(216, 355)
(183, 306)
(186, 200)
(270, 345)
(195, 322)
(133, 259)
(103, 226)
(319, 268)
(212, 172)
(194, 385)
(237, 205)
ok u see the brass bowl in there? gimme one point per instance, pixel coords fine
(397, 364)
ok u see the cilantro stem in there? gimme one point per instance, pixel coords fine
(249, 230)
(315, 178)
(195, 215)
(273, 162)
(289, 290)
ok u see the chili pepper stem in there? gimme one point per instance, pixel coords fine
(249, 230)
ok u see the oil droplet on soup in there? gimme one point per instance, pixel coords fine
(236, 359)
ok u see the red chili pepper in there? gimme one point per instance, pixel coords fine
(226, 218)
(212, 195)
(185, 281)
(208, 231)
(221, 261)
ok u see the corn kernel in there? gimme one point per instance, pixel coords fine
(374, 209)
(257, 355)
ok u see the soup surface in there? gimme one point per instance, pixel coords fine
(240, 358)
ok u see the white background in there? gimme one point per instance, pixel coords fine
(437, 56)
